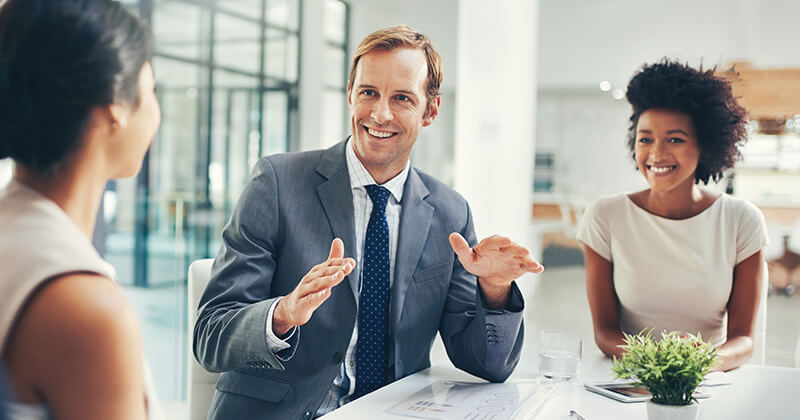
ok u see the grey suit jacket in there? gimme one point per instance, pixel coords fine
(283, 225)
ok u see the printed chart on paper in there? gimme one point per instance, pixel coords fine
(449, 400)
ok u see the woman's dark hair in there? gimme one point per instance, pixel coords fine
(58, 60)
(718, 118)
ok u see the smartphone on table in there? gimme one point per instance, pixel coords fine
(626, 391)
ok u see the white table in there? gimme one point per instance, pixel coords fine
(757, 392)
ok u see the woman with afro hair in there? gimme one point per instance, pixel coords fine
(677, 256)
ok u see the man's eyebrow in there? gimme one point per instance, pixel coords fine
(406, 92)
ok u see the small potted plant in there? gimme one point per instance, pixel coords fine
(670, 369)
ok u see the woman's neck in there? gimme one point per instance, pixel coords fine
(679, 203)
(77, 189)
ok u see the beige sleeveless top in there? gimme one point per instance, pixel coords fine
(38, 241)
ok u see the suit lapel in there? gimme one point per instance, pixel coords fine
(415, 221)
(336, 197)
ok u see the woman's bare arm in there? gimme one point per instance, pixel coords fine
(77, 349)
(603, 302)
(742, 310)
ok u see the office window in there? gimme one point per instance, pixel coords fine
(334, 97)
(227, 74)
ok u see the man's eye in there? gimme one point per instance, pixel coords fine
(403, 98)
(369, 92)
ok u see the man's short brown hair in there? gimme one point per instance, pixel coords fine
(402, 36)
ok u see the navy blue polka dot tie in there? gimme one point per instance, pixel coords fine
(373, 307)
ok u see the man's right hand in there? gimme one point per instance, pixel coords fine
(297, 307)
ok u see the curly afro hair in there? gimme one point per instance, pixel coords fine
(718, 118)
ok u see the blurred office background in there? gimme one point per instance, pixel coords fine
(532, 125)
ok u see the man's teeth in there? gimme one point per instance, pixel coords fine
(381, 134)
(662, 169)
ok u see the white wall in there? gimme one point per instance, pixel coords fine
(586, 131)
(582, 42)
(496, 102)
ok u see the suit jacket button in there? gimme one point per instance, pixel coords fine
(307, 415)
(337, 357)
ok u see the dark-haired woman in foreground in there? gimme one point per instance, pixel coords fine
(676, 256)
(77, 108)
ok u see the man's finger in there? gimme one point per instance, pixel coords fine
(495, 242)
(321, 283)
(337, 249)
(312, 301)
(534, 267)
(515, 250)
(344, 265)
(460, 246)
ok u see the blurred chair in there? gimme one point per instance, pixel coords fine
(760, 329)
(570, 212)
(794, 238)
(779, 276)
(201, 383)
(775, 248)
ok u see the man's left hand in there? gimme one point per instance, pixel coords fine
(497, 261)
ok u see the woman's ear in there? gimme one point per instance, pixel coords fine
(119, 115)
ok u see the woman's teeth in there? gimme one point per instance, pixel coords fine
(661, 169)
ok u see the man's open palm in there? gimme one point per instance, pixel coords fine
(496, 259)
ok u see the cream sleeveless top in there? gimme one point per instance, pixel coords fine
(38, 241)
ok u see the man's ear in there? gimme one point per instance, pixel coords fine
(349, 101)
(433, 110)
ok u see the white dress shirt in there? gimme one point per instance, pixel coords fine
(344, 384)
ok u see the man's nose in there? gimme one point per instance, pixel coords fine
(381, 112)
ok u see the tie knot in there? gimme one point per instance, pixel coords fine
(379, 195)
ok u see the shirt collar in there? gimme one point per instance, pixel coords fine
(360, 177)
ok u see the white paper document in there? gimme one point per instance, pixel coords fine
(449, 400)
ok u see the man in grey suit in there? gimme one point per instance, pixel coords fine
(289, 341)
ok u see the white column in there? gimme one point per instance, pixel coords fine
(312, 77)
(496, 113)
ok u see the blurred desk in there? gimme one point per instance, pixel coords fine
(757, 392)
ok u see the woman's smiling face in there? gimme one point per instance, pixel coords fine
(667, 152)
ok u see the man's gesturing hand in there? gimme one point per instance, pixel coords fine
(297, 307)
(497, 261)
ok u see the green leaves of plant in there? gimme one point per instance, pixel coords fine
(670, 368)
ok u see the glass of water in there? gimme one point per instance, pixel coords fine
(559, 355)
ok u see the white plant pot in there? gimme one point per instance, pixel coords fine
(657, 411)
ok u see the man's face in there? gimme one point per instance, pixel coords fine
(388, 108)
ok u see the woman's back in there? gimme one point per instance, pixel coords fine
(38, 242)
(57, 302)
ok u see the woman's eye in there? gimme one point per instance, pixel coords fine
(403, 98)
(645, 140)
(677, 140)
